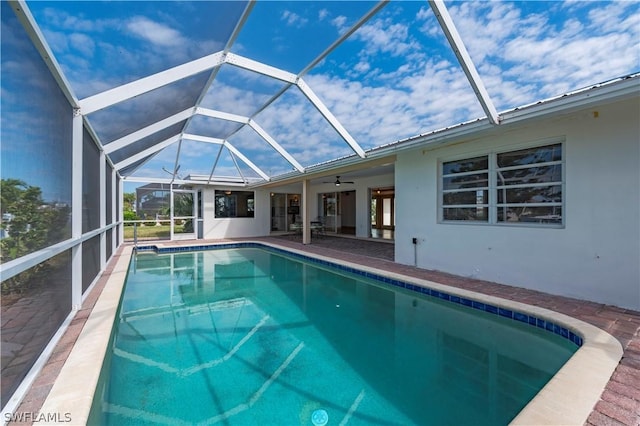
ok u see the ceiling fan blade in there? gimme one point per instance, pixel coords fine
(338, 182)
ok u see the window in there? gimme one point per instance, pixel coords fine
(465, 189)
(529, 185)
(523, 186)
(234, 204)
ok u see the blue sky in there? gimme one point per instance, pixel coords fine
(394, 78)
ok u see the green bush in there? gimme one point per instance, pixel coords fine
(129, 215)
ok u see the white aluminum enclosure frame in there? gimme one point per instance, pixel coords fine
(130, 90)
(218, 59)
(458, 47)
(214, 61)
(146, 84)
(148, 131)
(110, 175)
(193, 216)
(184, 115)
(230, 147)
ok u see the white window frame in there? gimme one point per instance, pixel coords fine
(487, 188)
(494, 186)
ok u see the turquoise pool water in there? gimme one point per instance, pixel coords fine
(253, 337)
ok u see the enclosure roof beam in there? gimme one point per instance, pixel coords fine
(148, 131)
(23, 13)
(321, 107)
(234, 35)
(214, 73)
(182, 181)
(259, 67)
(147, 152)
(231, 148)
(343, 37)
(206, 139)
(248, 162)
(271, 141)
(215, 164)
(256, 127)
(146, 84)
(222, 115)
(450, 31)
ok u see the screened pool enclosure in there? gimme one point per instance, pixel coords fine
(168, 100)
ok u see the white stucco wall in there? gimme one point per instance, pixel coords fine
(260, 224)
(596, 256)
(214, 228)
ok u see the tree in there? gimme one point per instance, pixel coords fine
(128, 208)
(129, 201)
(33, 224)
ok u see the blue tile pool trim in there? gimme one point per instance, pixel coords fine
(530, 320)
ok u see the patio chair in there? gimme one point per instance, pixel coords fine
(317, 226)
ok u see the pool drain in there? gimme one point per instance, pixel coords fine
(319, 418)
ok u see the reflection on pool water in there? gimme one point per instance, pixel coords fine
(250, 336)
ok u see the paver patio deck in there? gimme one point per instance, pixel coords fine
(619, 403)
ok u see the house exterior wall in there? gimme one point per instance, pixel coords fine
(241, 227)
(594, 256)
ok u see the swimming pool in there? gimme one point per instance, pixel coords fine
(254, 336)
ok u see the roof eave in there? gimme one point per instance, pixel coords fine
(611, 91)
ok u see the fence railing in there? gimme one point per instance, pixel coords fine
(147, 230)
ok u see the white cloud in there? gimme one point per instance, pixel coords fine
(63, 20)
(413, 104)
(423, 13)
(611, 17)
(521, 58)
(300, 129)
(362, 67)
(485, 27)
(340, 22)
(543, 56)
(384, 36)
(293, 19)
(83, 44)
(155, 32)
(245, 92)
(57, 40)
(94, 61)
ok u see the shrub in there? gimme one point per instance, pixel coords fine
(129, 215)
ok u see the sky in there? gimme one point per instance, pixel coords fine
(394, 78)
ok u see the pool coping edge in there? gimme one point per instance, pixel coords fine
(568, 398)
(75, 386)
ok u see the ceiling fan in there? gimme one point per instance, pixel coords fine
(338, 182)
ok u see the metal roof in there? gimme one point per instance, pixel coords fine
(226, 92)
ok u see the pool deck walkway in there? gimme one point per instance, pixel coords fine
(619, 403)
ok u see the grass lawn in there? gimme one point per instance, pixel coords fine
(161, 231)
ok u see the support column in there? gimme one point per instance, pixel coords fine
(76, 210)
(171, 209)
(103, 210)
(306, 217)
(116, 216)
